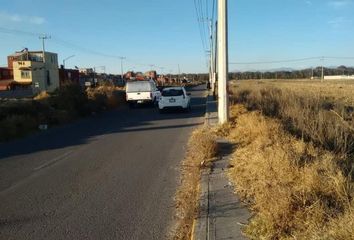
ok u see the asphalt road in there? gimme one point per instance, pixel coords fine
(111, 176)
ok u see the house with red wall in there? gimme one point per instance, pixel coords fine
(68, 76)
(6, 78)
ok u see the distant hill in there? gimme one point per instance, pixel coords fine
(289, 73)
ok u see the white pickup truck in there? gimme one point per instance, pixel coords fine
(138, 92)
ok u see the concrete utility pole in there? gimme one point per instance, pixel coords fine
(322, 71)
(171, 73)
(223, 62)
(212, 70)
(95, 81)
(121, 65)
(208, 54)
(161, 69)
(179, 74)
(43, 38)
(215, 58)
(45, 72)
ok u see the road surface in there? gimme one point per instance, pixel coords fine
(111, 176)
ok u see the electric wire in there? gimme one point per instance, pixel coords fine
(279, 61)
(67, 44)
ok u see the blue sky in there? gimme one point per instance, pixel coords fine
(165, 33)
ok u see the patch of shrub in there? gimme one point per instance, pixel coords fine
(70, 102)
(70, 98)
(17, 126)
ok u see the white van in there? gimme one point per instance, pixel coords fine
(138, 92)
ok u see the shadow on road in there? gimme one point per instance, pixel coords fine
(118, 121)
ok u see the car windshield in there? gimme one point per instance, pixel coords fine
(138, 87)
(172, 92)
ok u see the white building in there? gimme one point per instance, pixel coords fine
(339, 77)
(86, 71)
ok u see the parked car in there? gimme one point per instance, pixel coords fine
(138, 92)
(174, 97)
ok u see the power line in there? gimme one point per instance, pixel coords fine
(58, 41)
(199, 15)
(67, 44)
(205, 12)
(290, 60)
(276, 61)
(205, 22)
(83, 49)
(14, 31)
(350, 58)
(213, 12)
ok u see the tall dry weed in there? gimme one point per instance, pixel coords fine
(311, 114)
(296, 190)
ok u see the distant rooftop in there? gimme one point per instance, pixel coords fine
(19, 53)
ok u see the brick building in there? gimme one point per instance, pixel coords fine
(68, 76)
(6, 73)
(6, 78)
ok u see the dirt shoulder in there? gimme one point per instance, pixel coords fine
(202, 148)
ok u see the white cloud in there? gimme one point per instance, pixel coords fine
(4, 16)
(339, 3)
(309, 3)
(14, 17)
(36, 20)
(338, 22)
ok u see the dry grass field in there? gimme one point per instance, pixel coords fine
(295, 155)
(321, 112)
(337, 90)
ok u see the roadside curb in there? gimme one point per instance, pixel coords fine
(200, 229)
(221, 213)
(200, 225)
(211, 116)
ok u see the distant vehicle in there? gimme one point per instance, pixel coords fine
(138, 92)
(174, 98)
(88, 84)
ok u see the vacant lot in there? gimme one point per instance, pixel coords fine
(294, 161)
(316, 111)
